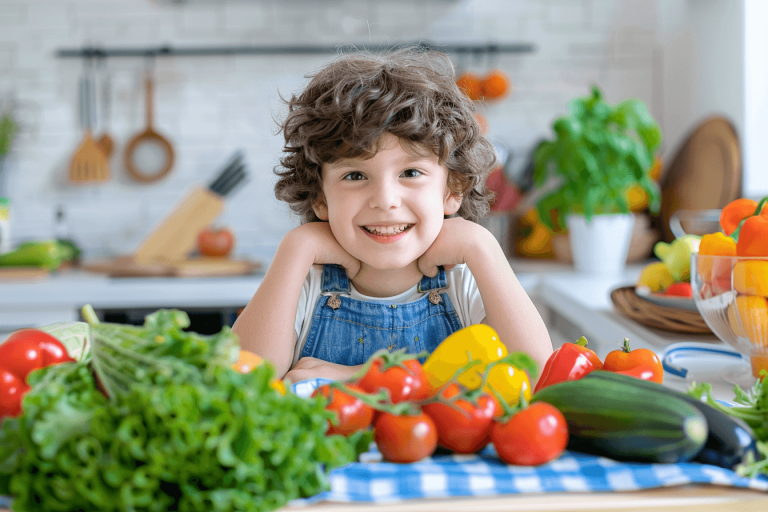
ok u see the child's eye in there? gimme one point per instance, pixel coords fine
(412, 173)
(354, 175)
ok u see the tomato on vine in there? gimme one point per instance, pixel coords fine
(398, 372)
(463, 420)
(351, 412)
(534, 435)
(406, 437)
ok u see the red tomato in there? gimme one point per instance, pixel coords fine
(215, 242)
(680, 290)
(533, 436)
(407, 438)
(462, 432)
(12, 389)
(352, 413)
(29, 349)
(409, 383)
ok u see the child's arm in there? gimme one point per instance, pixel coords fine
(266, 325)
(508, 308)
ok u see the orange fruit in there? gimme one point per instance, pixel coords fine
(470, 84)
(495, 85)
(246, 362)
(748, 317)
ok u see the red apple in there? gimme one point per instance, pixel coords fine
(215, 241)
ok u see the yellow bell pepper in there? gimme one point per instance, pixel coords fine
(476, 342)
(509, 382)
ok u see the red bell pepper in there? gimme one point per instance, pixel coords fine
(572, 361)
(24, 351)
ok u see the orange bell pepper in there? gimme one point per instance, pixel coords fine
(734, 212)
(642, 363)
(753, 237)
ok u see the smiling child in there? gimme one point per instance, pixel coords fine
(385, 163)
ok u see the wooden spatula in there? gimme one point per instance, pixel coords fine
(89, 162)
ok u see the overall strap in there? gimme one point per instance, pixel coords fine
(335, 279)
(434, 283)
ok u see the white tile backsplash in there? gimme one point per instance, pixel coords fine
(210, 106)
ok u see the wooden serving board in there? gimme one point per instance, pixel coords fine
(127, 266)
(23, 273)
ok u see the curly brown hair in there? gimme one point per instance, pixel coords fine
(348, 105)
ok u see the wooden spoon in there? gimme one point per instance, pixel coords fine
(89, 162)
(105, 141)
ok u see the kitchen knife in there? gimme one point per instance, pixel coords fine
(176, 235)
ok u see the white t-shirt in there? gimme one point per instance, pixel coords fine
(462, 290)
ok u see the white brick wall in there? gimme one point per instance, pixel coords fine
(210, 106)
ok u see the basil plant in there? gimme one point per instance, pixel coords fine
(598, 152)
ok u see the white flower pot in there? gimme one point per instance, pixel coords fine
(601, 245)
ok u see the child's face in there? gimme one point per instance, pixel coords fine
(386, 211)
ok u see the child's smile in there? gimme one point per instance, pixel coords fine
(387, 210)
(387, 234)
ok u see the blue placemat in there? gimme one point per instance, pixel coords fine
(484, 474)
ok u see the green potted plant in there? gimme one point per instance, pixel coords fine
(8, 129)
(598, 152)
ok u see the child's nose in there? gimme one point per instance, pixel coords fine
(384, 195)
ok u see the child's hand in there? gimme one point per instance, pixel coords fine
(451, 247)
(318, 238)
(311, 368)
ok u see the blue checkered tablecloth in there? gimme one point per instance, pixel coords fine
(440, 476)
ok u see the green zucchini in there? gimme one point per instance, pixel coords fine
(619, 419)
(730, 440)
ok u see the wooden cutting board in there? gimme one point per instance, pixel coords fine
(126, 266)
(705, 173)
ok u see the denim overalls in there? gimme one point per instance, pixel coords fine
(347, 331)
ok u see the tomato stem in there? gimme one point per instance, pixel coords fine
(626, 348)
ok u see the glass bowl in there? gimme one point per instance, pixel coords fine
(731, 293)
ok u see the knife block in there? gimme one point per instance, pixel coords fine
(176, 235)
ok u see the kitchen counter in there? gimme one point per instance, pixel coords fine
(59, 297)
(571, 304)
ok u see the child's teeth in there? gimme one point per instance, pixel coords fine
(387, 230)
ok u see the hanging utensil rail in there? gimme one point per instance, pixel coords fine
(308, 49)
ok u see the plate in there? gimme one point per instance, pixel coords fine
(670, 301)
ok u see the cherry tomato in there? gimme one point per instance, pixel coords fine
(29, 349)
(533, 436)
(409, 383)
(12, 389)
(352, 413)
(406, 438)
(462, 432)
